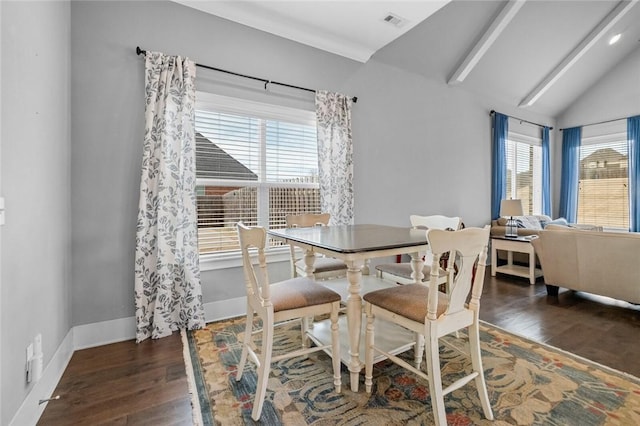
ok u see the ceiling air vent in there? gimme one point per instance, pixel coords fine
(394, 20)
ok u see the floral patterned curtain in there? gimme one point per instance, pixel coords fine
(168, 295)
(335, 156)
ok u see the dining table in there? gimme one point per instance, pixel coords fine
(356, 245)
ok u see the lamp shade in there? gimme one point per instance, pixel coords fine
(511, 208)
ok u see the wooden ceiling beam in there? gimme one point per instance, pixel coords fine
(481, 47)
(600, 30)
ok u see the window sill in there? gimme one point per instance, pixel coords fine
(212, 262)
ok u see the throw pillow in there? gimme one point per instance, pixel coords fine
(502, 221)
(528, 222)
(559, 221)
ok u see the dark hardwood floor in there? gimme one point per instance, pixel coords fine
(123, 384)
(594, 327)
(145, 384)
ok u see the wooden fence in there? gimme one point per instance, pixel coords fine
(218, 214)
(604, 202)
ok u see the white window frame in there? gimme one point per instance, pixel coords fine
(231, 105)
(610, 132)
(536, 168)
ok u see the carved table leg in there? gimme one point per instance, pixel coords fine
(416, 268)
(354, 320)
(417, 275)
(309, 259)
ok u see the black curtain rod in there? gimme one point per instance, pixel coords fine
(523, 120)
(599, 122)
(265, 81)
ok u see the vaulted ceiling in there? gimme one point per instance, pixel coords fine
(539, 55)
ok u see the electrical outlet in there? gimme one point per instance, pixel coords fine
(37, 362)
(29, 352)
(37, 344)
(28, 365)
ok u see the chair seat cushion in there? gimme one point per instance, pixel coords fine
(300, 292)
(324, 264)
(404, 270)
(409, 301)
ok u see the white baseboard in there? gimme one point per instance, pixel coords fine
(104, 332)
(30, 411)
(118, 330)
(98, 334)
(215, 311)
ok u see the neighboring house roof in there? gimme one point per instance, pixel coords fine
(213, 162)
(605, 154)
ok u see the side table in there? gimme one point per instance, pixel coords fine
(510, 245)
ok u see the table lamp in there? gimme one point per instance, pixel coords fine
(511, 208)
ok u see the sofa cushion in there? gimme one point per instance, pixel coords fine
(586, 227)
(557, 227)
(574, 227)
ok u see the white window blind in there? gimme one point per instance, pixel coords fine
(524, 167)
(603, 192)
(255, 163)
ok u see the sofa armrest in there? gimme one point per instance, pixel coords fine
(556, 248)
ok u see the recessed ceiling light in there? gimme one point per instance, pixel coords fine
(614, 39)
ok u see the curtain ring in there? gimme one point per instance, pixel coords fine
(266, 83)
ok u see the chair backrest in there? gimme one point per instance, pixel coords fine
(435, 222)
(256, 282)
(304, 220)
(307, 219)
(469, 246)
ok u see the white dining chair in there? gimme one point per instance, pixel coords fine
(323, 267)
(292, 299)
(401, 272)
(427, 311)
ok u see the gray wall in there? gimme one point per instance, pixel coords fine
(420, 146)
(35, 184)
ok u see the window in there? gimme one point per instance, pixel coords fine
(524, 166)
(255, 163)
(603, 192)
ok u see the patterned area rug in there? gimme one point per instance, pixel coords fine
(528, 384)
